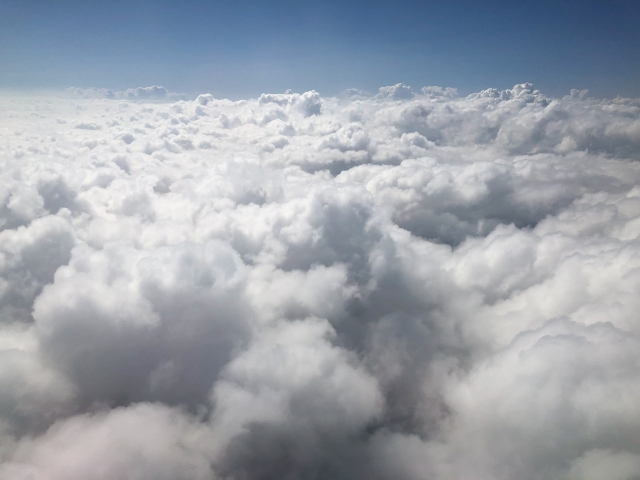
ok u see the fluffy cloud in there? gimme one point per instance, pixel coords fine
(407, 285)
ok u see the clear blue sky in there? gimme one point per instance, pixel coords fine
(241, 48)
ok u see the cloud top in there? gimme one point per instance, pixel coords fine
(407, 285)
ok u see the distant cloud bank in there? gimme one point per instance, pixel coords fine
(140, 93)
(406, 285)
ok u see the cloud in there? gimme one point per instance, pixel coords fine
(154, 93)
(408, 285)
(143, 441)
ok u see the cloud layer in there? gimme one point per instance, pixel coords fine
(408, 285)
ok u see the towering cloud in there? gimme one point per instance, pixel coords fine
(410, 285)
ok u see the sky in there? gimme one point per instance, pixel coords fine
(244, 48)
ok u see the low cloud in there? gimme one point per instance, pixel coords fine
(411, 284)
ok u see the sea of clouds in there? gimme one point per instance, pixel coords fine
(410, 285)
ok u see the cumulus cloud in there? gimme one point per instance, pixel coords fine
(411, 284)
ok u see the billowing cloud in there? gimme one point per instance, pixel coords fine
(407, 285)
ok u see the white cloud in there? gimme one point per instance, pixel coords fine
(407, 285)
(143, 441)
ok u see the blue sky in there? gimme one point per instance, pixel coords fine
(242, 48)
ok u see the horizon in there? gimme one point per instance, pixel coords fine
(165, 95)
